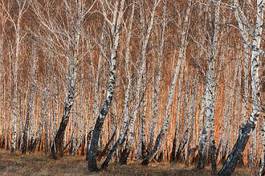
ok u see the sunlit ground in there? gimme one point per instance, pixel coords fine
(39, 165)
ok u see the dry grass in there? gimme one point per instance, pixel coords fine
(39, 165)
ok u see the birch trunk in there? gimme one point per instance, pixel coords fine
(76, 20)
(115, 31)
(156, 93)
(180, 63)
(142, 143)
(14, 101)
(209, 94)
(28, 128)
(244, 133)
(14, 104)
(44, 119)
(178, 114)
(191, 117)
(124, 130)
(184, 144)
(141, 79)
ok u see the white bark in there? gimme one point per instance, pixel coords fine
(28, 131)
(16, 22)
(157, 80)
(250, 124)
(116, 25)
(129, 79)
(180, 63)
(141, 73)
(125, 123)
(210, 89)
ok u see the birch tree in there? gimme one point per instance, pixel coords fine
(63, 40)
(180, 63)
(29, 126)
(115, 25)
(16, 23)
(178, 114)
(127, 94)
(75, 24)
(140, 88)
(157, 79)
(250, 124)
(210, 89)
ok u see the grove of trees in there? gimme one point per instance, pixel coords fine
(122, 81)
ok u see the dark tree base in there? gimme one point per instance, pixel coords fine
(124, 156)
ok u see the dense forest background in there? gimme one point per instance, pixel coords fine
(133, 80)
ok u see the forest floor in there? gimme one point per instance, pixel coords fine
(40, 165)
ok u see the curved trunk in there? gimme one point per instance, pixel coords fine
(244, 133)
(76, 20)
(124, 130)
(93, 149)
(58, 143)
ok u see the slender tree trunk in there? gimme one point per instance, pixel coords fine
(14, 103)
(124, 130)
(28, 128)
(210, 92)
(157, 80)
(115, 30)
(178, 114)
(244, 133)
(58, 144)
(180, 63)
(75, 30)
(140, 88)
(142, 140)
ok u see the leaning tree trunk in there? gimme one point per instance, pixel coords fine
(115, 31)
(243, 28)
(58, 143)
(76, 20)
(244, 133)
(180, 63)
(123, 133)
(140, 90)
